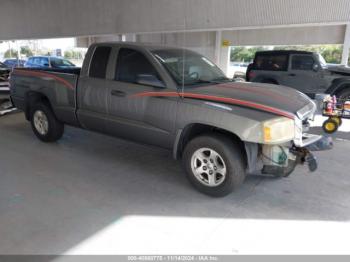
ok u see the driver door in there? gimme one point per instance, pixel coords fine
(134, 110)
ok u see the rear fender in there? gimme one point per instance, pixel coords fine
(338, 85)
(31, 99)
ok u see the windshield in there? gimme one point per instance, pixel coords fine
(189, 68)
(323, 62)
(58, 62)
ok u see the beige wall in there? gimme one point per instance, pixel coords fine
(287, 36)
(202, 42)
(23, 19)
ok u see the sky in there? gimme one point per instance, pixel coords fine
(51, 44)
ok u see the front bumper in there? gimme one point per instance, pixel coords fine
(307, 140)
(281, 160)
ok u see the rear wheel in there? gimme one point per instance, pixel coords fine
(44, 123)
(214, 165)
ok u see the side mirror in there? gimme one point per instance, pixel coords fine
(149, 80)
(315, 67)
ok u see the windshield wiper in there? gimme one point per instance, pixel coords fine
(222, 79)
(200, 81)
(214, 81)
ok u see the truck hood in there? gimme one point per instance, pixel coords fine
(265, 97)
(337, 69)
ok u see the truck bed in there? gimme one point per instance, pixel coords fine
(73, 71)
(58, 85)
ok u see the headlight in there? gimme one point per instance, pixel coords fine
(278, 130)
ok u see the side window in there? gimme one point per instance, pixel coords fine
(131, 64)
(99, 62)
(44, 61)
(36, 61)
(302, 62)
(271, 62)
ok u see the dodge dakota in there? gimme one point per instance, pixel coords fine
(178, 100)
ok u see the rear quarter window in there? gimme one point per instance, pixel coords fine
(99, 62)
(271, 62)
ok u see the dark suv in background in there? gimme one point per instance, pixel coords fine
(307, 72)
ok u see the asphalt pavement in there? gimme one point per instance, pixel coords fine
(94, 194)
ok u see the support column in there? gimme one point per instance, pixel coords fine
(225, 59)
(129, 38)
(222, 53)
(346, 47)
(218, 40)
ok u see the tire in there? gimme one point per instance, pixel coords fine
(228, 167)
(330, 126)
(44, 123)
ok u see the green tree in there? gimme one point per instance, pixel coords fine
(11, 53)
(68, 54)
(331, 53)
(25, 50)
(244, 54)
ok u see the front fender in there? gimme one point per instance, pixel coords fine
(245, 123)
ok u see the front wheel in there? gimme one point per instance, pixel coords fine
(44, 123)
(214, 165)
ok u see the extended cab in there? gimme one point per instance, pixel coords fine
(175, 99)
(307, 72)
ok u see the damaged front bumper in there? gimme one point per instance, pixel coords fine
(282, 160)
(300, 150)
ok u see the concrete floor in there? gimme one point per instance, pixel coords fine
(92, 194)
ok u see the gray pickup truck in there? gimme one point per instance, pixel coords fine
(178, 100)
(307, 72)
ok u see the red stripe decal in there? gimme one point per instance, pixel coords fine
(219, 99)
(44, 74)
(257, 91)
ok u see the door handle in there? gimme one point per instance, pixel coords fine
(292, 75)
(118, 93)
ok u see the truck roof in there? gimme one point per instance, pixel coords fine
(283, 52)
(147, 46)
